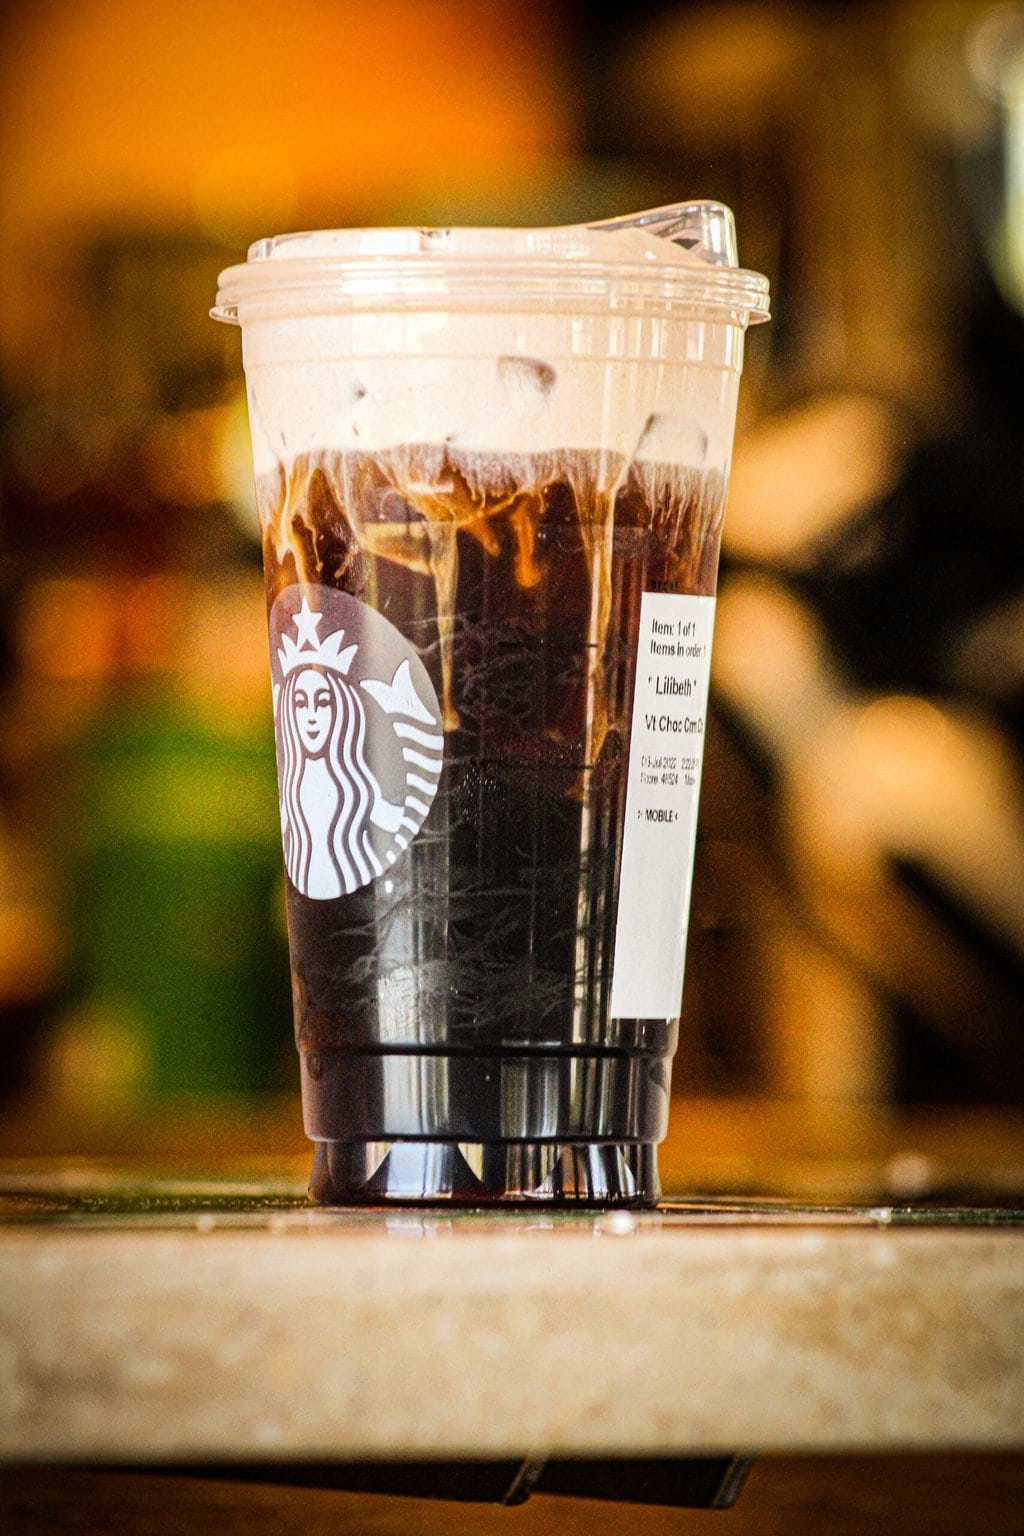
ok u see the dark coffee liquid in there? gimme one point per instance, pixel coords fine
(518, 581)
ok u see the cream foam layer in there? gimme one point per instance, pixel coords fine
(499, 381)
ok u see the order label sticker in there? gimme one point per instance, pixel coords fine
(666, 753)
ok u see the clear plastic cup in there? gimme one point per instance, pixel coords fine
(491, 469)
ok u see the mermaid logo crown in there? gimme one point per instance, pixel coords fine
(308, 650)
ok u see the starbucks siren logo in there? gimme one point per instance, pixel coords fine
(360, 745)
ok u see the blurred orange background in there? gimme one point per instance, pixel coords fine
(854, 1011)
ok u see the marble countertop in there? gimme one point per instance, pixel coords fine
(188, 1321)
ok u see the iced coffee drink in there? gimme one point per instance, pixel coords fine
(491, 472)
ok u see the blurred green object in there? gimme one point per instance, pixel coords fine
(177, 892)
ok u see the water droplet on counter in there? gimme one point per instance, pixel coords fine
(618, 1224)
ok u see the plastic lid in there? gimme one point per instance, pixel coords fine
(661, 261)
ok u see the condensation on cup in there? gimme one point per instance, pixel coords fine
(491, 470)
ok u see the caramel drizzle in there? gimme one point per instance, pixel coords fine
(450, 505)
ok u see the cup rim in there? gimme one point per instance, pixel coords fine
(620, 267)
